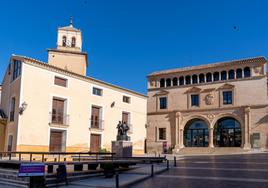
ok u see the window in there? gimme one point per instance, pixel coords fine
(126, 99)
(12, 109)
(227, 97)
(247, 72)
(16, 69)
(216, 76)
(58, 115)
(126, 117)
(188, 80)
(209, 77)
(201, 78)
(97, 91)
(194, 79)
(239, 73)
(60, 81)
(181, 81)
(223, 75)
(64, 41)
(162, 82)
(195, 100)
(231, 74)
(96, 117)
(175, 81)
(73, 42)
(168, 82)
(162, 134)
(163, 102)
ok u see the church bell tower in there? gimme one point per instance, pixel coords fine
(68, 55)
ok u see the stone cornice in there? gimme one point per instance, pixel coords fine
(208, 66)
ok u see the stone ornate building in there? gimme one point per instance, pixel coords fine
(215, 105)
(54, 106)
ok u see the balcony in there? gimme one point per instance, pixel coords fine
(58, 119)
(96, 124)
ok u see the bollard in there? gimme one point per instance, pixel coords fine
(116, 179)
(152, 170)
(167, 164)
(175, 161)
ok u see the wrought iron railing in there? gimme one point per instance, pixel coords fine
(58, 119)
(96, 124)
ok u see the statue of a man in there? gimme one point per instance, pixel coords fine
(125, 128)
(119, 128)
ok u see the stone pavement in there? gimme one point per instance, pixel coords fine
(228, 171)
(126, 179)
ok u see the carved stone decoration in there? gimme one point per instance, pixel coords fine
(209, 98)
(257, 69)
(211, 116)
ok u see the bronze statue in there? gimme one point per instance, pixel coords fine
(122, 129)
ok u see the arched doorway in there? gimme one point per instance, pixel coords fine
(227, 133)
(196, 133)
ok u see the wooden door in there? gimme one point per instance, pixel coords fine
(125, 117)
(95, 117)
(57, 111)
(95, 142)
(55, 144)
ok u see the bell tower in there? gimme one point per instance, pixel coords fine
(68, 55)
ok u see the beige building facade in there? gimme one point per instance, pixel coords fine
(54, 106)
(215, 105)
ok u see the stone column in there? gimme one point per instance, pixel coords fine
(181, 145)
(246, 129)
(211, 132)
(177, 121)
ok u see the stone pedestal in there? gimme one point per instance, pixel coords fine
(122, 148)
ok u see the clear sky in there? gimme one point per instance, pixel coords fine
(128, 39)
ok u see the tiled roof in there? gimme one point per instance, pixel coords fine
(218, 64)
(41, 63)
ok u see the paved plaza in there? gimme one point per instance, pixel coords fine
(248, 170)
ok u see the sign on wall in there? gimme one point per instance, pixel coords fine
(31, 169)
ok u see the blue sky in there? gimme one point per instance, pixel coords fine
(128, 39)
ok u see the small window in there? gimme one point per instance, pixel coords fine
(201, 78)
(227, 97)
(209, 77)
(181, 81)
(231, 74)
(239, 73)
(247, 72)
(194, 100)
(188, 80)
(64, 41)
(162, 134)
(175, 81)
(163, 102)
(60, 81)
(97, 91)
(162, 82)
(194, 79)
(73, 42)
(16, 69)
(126, 99)
(168, 82)
(223, 75)
(12, 109)
(216, 76)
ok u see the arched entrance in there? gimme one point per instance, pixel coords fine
(196, 133)
(227, 133)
